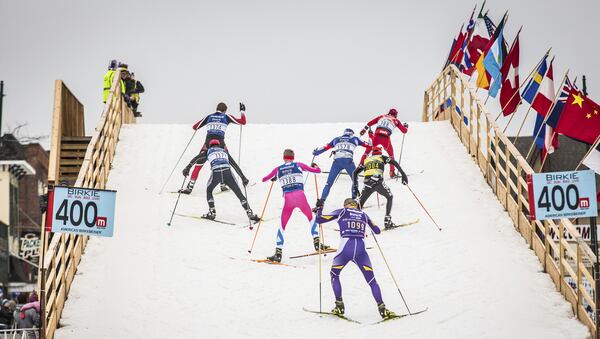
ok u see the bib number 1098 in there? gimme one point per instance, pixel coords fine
(77, 213)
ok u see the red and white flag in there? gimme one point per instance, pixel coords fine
(545, 96)
(509, 92)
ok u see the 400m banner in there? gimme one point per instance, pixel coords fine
(82, 211)
(557, 195)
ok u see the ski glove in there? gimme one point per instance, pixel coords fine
(242, 107)
(404, 179)
(364, 130)
(318, 151)
(405, 125)
(376, 229)
(245, 181)
(186, 170)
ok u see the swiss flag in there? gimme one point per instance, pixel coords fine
(509, 92)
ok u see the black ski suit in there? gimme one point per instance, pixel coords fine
(221, 164)
(374, 167)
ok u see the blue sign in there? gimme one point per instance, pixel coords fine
(81, 211)
(557, 195)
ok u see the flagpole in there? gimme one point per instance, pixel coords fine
(526, 114)
(547, 113)
(594, 145)
(519, 92)
(503, 23)
(468, 37)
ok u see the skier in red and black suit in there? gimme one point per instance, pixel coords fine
(216, 126)
(384, 126)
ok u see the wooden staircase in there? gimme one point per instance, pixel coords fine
(72, 153)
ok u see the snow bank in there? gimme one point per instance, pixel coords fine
(194, 279)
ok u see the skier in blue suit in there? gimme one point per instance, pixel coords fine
(343, 146)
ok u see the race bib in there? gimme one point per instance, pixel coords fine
(216, 126)
(386, 124)
(291, 179)
(344, 150)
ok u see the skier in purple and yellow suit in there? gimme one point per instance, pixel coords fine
(353, 223)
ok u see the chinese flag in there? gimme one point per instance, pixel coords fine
(580, 118)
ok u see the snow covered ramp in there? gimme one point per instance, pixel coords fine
(194, 279)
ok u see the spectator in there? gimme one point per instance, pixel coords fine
(133, 89)
(6, 313)
(108, 78)
(27, 316)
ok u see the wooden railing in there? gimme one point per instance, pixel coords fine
(568, 260)
(62, 252)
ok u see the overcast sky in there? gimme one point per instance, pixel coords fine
(289, 61)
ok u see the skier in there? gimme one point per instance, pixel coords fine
(220, 165)
(343, 159)
(373, 167)
(290, 176)
(216, 126)
(384, 126)
(353, 224)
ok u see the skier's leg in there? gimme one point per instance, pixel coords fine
(365, 194)
(333, 172)
(343, 255)
(350, 168)
(389, 148)
(286, 213)
(365, 154)
(232, 183)
(304, 207)
(362, 260)
(210, 186)
(384, 190)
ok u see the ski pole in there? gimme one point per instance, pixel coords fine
(177, 163)
(176, 202)
(390, 270)
(311, 162)
(261, 217)
(321, 239)
(424, 209)
(240, 146)
(378, 206)
(401, 148)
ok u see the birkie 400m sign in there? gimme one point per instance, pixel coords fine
(557, 195)
(81, 211)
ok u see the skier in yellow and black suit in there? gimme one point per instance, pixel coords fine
(373, 167)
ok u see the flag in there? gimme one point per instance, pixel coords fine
(592, 160)
(509, 93)
(488, 64)
(580, 118)
(456, 48)
(545, 96)
(465, 62)
(560, 103)
(483, 29)
(533, 85)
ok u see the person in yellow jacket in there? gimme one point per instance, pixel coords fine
(108, 79)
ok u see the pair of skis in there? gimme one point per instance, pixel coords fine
(216, 220)
(341, 316)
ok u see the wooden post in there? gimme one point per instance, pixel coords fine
(424, 116)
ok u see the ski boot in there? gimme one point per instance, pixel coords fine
(189, 188)
(339, 308)
(211, 215)
(384, 312)
(317, 242)
(318, 204)
(253, 217)
(277, 256)
(224, 188)
(387, 222)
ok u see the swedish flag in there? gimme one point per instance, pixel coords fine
(534, 83)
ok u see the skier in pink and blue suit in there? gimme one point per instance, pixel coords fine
(291, 179)
(353, 223)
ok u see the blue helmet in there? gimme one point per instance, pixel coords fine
(349, 132)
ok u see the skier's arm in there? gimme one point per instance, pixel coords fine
(238, 121)
(369, 124)
(323, 218)
(270, 175)
(200, 123)
(355, 174)
(237, 169)
(327, 147)
(359, 142)
(374, 227)
(305, 167)
(393, 162)
(402, 127)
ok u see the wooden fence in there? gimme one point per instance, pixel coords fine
(568, 260)
(62, 252)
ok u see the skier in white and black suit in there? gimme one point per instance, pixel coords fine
(220, 165)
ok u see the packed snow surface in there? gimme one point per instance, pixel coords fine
(194, 279)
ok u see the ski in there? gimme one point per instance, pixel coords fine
(202, 218)
(332, 314)
(329, 250)
(399, 316)
(401, 225)
(270, 262)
